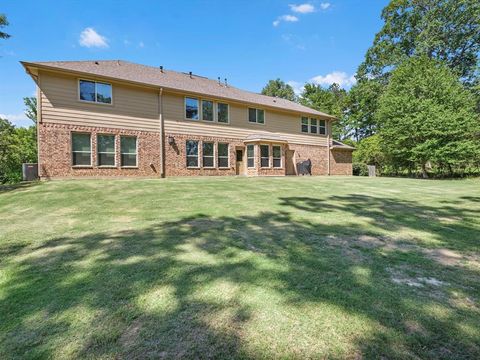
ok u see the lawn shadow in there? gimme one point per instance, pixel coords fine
(24, 185)
(177, 289)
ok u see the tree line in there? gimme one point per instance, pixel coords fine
(415, 107)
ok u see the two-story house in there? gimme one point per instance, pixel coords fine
(116, 118)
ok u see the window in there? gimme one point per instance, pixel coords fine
(128, 151)
(191, 108)
(256, 116)
(323, 127)
(95, 92)
(222, 155)
(264, 156)
(207, 154)
(81, 149)
(250, 156)
(192, 153)
(106, 150)
(305, 124)
(313, 126)
(277, 156)
(222, 113)
(207, 110)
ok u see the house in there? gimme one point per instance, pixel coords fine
(116, 118)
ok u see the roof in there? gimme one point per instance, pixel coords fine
(168, 79)
(265, 137)
(339, 145)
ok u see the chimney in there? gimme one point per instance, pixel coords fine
(226, 85)
(190, 73)
(161, 68)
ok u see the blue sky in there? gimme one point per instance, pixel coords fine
(248, 42)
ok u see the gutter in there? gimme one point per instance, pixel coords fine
(162, 133)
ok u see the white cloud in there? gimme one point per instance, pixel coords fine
(297, 86)
(126, 42)
(287, 18)
(141, 44)
(339, 77)
(19, 119)
(90, 38)
(325, 6)
(302, 8)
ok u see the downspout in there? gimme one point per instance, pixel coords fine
(162, 133)
(328, 147)
(39, 122)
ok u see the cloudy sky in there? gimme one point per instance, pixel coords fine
(248, 42)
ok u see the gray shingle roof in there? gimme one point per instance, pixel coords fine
(168, 79)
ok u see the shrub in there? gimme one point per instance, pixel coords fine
(360, 169)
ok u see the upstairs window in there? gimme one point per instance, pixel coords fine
(264, 156)
(222, 113)
(207, 154)
(128, 151)
(192, 153)
(313, 126)
(250, 156)
(277, 156)
(191, 108)
(106, 150)
(222, 155)
(81, 149)
(207, 110)
(256, 116)
(305, 124)
(323, 127)
(96, 92)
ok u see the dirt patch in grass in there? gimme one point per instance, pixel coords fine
(131, 334)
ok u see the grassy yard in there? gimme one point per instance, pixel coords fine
(241, 268)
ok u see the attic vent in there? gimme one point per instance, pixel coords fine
(161, 68)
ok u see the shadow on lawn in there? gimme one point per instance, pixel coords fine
(145, 286)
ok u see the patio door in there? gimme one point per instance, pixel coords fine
(239, 165)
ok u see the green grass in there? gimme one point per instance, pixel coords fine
(307, 267)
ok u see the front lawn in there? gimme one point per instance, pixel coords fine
(306, 267)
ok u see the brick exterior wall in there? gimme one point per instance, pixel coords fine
(55, 156)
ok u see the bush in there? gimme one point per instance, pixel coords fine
(360, 169)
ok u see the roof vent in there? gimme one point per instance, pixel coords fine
(96, 62)
(219, 83)
(161, 68)
(190, 74)
(226, 85)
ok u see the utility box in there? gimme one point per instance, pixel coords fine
(372, 171)
(29, 172)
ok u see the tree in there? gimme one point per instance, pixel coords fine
(446, 30)
(333, 101)
(369, 151)
(427, 118)
(17, 145)
(3, 23)
(31, 110)
(279, 89)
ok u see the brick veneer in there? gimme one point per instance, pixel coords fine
(55, 155)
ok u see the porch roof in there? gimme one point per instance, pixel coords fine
(265, 137)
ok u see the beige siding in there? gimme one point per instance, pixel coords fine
(137, 108)
(132, 108)
(284, 124)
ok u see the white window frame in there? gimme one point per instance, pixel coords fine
(94, 102)
(273, 157)
(308, 125)
(201, 110)
(136, 152)
(198, 107)
(256, 116)
(228, 112)
(322, 127)
(198, 155)
(261, 157)
(212, 156)
(228, 156)
(253, 157)
(71, 149)
(114, 151)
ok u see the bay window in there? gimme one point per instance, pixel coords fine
(277, 156)
(264, 156)
(250, 156)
